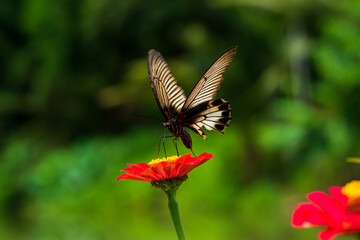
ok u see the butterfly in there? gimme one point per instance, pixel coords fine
(200, 108)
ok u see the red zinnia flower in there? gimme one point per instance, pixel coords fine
(340, 212)
(165, 170)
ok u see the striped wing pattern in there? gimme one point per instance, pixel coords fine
(209, 84)
(169, 96)
(213, 115)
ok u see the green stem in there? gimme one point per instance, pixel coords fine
(175, 214)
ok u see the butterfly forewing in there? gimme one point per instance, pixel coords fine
(201, 109)
(209, 84)
(169, 96)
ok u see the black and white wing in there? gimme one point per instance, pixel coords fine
(169, 96)
(208, 85)
(213, 115)
(201, 108)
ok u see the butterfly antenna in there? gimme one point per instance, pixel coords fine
(146, 116)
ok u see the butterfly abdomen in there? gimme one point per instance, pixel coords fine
(186, 139)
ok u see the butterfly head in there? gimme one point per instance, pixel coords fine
(170, 123)
(166, 125)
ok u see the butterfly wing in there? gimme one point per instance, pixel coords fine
(209, 84)
(213, 115)
(169, 96)
(201, 108)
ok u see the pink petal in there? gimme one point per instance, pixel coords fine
(329, 234)
(308, 215)
(341, 198)
(328, 204)
(351, 221)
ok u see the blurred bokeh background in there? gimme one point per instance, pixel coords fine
(73, 78)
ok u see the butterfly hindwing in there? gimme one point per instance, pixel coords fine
(213, 115)
(169, 96)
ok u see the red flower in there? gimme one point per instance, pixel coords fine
(337, 212)
(165, 169)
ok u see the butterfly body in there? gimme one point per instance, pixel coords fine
(200, 108)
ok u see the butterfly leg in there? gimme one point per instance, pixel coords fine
(158, 151)
(163, 143)
(175, 144)
(164, 147)
(193, 152)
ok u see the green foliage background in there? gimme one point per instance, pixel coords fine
(74, 72)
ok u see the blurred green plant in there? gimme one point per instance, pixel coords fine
(74, 72)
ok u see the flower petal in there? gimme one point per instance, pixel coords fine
(308, 215)
(329, 234)
(136, 168)
(131, 176)
(328, 204)
(339, 196)
(167, 168)
(192, 163)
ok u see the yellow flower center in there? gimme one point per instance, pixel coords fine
(352, 191)
(168, 159)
